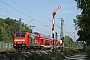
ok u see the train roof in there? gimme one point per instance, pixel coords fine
(21, 32)
(43, 35)
(33, 34)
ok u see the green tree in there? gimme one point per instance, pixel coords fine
(8, 26)
(69, 42)
(84, 20)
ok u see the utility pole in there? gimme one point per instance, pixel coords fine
(0, 31)
(75, 24)
(74, 36)
(74, 39)
(20, 26)
(53, 15)
(61, 34)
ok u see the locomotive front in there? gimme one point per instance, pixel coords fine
(21, 39)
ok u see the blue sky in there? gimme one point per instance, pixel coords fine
(41, 12)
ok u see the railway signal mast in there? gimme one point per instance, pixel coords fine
(53, 15)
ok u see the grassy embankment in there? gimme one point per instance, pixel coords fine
(53, 56)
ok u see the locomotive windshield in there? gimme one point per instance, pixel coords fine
(20, 34)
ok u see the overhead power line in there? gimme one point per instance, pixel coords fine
(27, 10)
(18, 10)
(21, 12)
(14, 8)
(21, 5)
(34, 13)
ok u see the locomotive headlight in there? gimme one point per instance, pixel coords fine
(22, 42)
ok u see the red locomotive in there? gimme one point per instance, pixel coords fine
(26, 40)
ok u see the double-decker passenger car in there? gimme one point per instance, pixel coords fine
(26, 40)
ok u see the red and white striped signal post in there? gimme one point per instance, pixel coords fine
(53, 15)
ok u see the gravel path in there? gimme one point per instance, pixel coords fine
(80, 56)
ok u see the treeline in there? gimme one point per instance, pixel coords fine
(8, 26)
(69, 43)
(83, 23)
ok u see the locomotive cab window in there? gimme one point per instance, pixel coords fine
(20, 34)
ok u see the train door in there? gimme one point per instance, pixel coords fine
(41, 41)
(32, 39)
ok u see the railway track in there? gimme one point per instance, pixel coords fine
(22, 51)
(19, 54)
(33, 50)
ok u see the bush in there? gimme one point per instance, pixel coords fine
(88, 55)
(52, 56)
